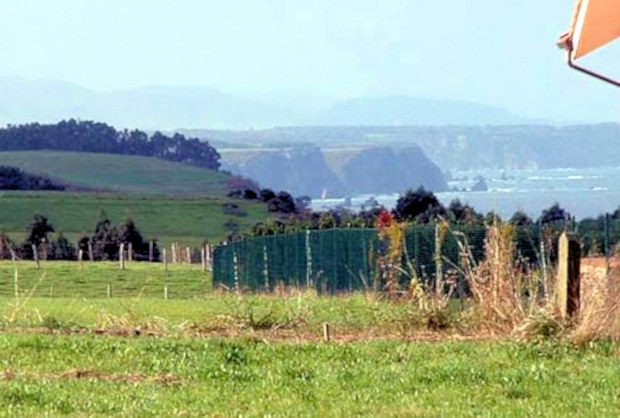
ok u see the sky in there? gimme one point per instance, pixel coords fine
(500, 53)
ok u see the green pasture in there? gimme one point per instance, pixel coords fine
(146, 376)
(188, 221)
(74, 294)
(121, 173)
(207, 352)
(71, 279)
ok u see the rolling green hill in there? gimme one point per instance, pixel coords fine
(121, 173)
(187, 221)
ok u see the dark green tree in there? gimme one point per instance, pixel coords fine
(554, 215)
(128, 233)
(105, 239)
(62, 249)
(38, 230)
(520, 218)
(419, 205)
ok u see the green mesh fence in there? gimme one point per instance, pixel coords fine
(339, 260)
(329, 260)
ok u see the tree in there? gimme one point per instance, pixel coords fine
(38, 230)
(37, 234)
(421, 205)
(104, 240)
(520, 218)
(128, 233)
(554, 215)
(62, 249)
(464, 214)
(266, 195)
(282, 203)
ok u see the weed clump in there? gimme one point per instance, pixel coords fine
(600, 315)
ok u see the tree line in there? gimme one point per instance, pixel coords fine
(97, 137)
(13, 178)
(103, 244)
(421, 207)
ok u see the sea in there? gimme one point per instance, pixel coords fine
(583, 192)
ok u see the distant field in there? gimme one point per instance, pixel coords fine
(124, 173)
(62, 279)
(188, 221)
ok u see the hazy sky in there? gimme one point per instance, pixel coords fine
(499, 52)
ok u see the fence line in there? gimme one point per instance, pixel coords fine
(345, 259)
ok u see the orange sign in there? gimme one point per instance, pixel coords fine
(595, 24)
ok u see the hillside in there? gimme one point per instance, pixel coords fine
(308, 171)
(123, 173)
(188, 221)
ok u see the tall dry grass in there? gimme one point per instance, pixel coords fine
(506, 292)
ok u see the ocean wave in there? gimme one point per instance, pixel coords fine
(564, 178)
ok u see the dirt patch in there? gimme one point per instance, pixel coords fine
(83, 374)
(291, 335)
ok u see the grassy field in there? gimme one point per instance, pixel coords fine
(75, 295)
(206, 352)
(145, 376)
(61, 279)
(188, 221)
(124, 173)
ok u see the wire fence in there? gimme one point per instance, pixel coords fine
(99, 280)
(339, 260)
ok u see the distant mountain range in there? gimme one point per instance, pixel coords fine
(187, 107)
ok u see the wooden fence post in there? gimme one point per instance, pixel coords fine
(35, 255)
(81, 258)
(151, 251)
(121, 257)
(568, 279)
(188, 253)
(203, 258)
(208, 257)
(326, 332)
(130, 252)
(91, 255)
(165, 259)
